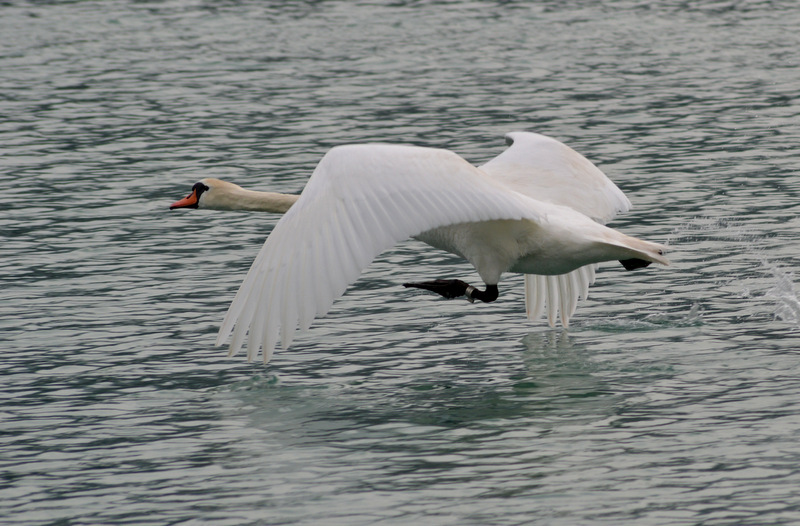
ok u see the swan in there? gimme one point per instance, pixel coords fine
(539, 209)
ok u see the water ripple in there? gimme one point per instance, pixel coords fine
(670, 400)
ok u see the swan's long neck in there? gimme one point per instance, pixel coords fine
(240, 199)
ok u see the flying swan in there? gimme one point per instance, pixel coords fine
(538, 208)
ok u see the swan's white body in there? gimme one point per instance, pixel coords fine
(536, 209)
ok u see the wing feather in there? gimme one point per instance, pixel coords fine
(305, 310)
(552, 299)
(548, 170)
(551, 294)
(360, 200)
(270, 338)
(574, 288)
(534, 296)
(257, 333)
(564, 294)
(288, 314)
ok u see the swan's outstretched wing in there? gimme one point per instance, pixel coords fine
(548, 170)
(360, 200)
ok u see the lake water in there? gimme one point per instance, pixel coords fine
(674, 397)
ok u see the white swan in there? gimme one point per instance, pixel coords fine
(536, 209)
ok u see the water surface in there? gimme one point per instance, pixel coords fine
(672, 399)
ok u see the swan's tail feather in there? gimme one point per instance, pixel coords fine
(639, 253)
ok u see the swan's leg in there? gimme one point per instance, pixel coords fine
(454, 288)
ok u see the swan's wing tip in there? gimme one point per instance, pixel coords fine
(557, 296)
(546, 169)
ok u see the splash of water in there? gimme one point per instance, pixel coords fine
(777, 294)
(721, 228)
(783, 293)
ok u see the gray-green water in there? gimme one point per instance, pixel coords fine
(674, 398)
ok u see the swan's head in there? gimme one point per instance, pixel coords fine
(222, 195)
(208, 193)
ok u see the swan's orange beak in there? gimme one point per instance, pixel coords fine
(190, 201)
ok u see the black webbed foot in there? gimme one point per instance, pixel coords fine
(449, 288)
(634, 263)
(454, 288)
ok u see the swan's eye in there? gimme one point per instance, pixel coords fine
(199, 188)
